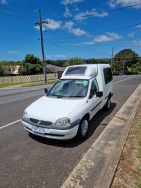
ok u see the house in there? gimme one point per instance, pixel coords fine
(55, 69)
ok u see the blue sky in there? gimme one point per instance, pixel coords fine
(82, 36)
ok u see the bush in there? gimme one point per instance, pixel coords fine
(75, 61)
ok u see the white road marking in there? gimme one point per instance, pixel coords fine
(123, 80)
(20, 119)
(10, 124)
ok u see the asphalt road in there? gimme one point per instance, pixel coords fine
(31, 161)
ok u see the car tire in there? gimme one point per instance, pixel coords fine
(107, 105)
(83, 128)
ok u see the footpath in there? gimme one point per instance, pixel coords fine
(128, 173)
(97, 167)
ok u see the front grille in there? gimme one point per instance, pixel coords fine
(39, 122)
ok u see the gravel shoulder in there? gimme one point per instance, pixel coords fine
(128, 173)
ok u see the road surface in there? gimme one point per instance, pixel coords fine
(31, 161)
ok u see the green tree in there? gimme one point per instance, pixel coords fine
(2, 70)
(31, 65)
(60, 63)
(75, 61)
(92, 61)
(8, 67)
(49, 62)
(135, 68)
(127, 55)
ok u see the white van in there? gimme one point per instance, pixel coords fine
(66, 109)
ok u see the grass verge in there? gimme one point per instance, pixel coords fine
(128, 172)
(41, 83)
(138, 183)
(11, 84)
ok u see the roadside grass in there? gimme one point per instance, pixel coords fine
(12, 84)
(138, 183)
(41, 83)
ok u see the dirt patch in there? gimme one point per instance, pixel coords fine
(128, 168)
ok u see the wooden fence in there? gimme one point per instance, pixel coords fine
(27, 78)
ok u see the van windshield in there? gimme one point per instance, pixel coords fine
(69, 88)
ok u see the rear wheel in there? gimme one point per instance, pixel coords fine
(83, 128)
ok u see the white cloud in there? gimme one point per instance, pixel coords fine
(76, 8)
(136, 43)
(3, 1)
(83, 43)
(107, 38)
(131, 34)
(114, 3)
(57, 56)
(66, 2)
(69, 25)
(138, 26)
(13, 52)
(38, 27)
(93, 12)
(53, 25)
(67, 12)
(77, 31)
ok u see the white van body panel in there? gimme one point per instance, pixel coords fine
(52, 109)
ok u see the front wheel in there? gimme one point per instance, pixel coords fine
(83, 129)
(107, 105)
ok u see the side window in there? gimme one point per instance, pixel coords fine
(108, 75)
(94, 87)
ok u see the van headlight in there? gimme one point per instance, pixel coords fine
(25, 116)
(63, 122)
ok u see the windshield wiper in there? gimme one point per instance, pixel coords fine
(75, 96)
(59, 96)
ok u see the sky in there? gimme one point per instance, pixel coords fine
(72, 28)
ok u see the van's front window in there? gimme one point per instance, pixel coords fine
(69, 88)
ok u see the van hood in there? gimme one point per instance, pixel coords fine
(52, 109)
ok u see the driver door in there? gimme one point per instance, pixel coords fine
(94, 102)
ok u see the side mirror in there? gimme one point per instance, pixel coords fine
(45, 90)
(99, 94)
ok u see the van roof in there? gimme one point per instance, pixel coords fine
(85, 71)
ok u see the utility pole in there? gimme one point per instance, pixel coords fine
(123, 65)
(112, 57)
(42, 46)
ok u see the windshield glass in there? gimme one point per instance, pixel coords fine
(69, 88)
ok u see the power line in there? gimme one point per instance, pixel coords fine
(19, 34)
(17, 12)
(65, 48)
(58, 34)
(74, 17)
(15, 16)
(99, 32)
(44, 41)
(78, 40)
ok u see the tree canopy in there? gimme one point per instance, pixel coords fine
(92, 61)
(2, 70)
(135, 68)
(31, 65)
(75, 61)
(128, 56)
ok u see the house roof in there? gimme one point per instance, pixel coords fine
(54, 68)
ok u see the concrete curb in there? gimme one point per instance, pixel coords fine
(97, 167)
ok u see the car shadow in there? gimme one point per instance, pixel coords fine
(94, 123)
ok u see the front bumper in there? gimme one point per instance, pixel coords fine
(53, 133)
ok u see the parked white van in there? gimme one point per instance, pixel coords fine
(66, 109)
